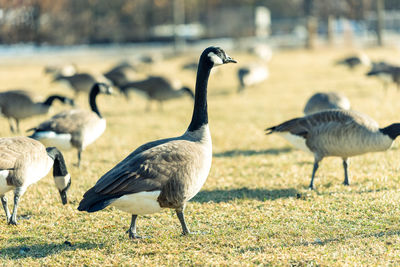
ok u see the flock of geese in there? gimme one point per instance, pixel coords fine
(167, 173)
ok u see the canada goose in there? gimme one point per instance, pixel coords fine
(157, 88)
(387, 73)
(65, 70)
(336, 133)
(24, 161)
(251, 74)
(79, 82)
(353, 61)
(323, 101)
(119, 74)
(74, 128)
(21, 104)
(164, 173)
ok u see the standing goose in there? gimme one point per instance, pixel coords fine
(119, 74)
(79, 82)
(337, 133)
(21, 104)
(387, 73)
(251, 74)
(157, 88)
(74, 128)
(323, 101)
(24, 161)
(164, 173)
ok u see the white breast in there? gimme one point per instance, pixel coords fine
(4, 188)
(93, 132)
(297, 141)
(49, 138)
(139, 203)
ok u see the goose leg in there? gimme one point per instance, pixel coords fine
(17, 195)
(181, 217)
(4, 202)
(17, 125)
(10, 122)
(346, 177)
(132, 229)
(79, 157)
(316, 165)
(148, 106)
(160, 106)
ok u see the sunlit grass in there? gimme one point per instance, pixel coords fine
(255, 207)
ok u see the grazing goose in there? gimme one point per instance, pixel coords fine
(251, 75)
(24, 161)
(354, 61)
(387, 73)
(119, 74)
(157, 88)
(164, 173)
(79, 82)
(323, 101)
(337, 133)
(21, 104)
(74, 128)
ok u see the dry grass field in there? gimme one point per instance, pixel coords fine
(254, 209)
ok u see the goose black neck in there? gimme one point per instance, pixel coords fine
(51, 99)
(200, 115)
(92, 99)
(59, 167)
(392, 130)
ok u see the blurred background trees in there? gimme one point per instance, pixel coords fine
(65, 22)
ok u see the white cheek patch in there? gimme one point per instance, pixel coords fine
(215, 59)
(62, 181)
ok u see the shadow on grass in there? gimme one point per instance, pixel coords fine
(235, 153)
(221, 195)
(38, 251)
(344, 238)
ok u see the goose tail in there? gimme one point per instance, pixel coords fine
(93, 201)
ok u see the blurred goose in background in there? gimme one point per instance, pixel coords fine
(323, 101)
(262, 51)
(74, 128)
(251, 74)
(157, 88)
(386, 72)
(120, 74)
(164, 173)
(354, 61)
(64, 70)
(336, 133)
(24, 161)
(20, 104)
(79, 82)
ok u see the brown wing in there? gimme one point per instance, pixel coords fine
(149, 170)
(68, 121)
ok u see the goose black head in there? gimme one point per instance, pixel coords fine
(392, 130)
(215, 56)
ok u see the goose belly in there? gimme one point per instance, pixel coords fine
(49, 138)
(353, 145)
(139, 203)
(4, 187)
(92, 132)
(255, 76)
(297, 141)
